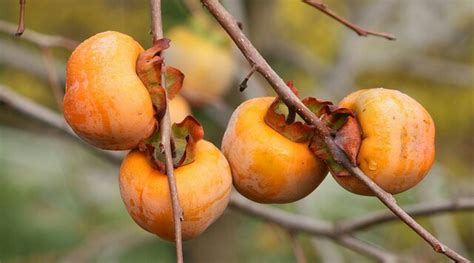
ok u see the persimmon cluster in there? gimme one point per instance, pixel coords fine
(116, 96)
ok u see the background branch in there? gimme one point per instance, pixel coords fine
(318, 4)
(40, 39)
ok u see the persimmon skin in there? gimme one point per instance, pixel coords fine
(398, 144)
(179, 109)
(106, 103)
(204, 188)
(208, 68)
(266, 166)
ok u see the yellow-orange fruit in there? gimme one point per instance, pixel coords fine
(179, 109)
(398, 144)
(204, 188)
(106, 103)
(208, 68)
(266, 166)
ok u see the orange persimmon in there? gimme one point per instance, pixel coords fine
(179, 109)
(204, 188)
(398, 144)
(266, 166)
(207, 66)
(106, 103)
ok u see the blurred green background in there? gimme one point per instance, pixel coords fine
(60, 202)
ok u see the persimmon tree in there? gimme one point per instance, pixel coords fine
(334, 133)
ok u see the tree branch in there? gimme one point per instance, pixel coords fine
(256, 60)
(295, 223)
(40, 39)
(424, 209)
(21, 19)
(318, 4)
(165, 130)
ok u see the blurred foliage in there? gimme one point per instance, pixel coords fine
(55, 195)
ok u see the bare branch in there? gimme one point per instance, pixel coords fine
(424, 209)
(255, 59)
(359, 30)
(21, 19)
(298, 223)
(296, 247)
(53, 77)
(165, 130)
(49, 117)
(40, 39)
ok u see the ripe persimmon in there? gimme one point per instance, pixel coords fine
(398, 143)
(179, 109)
(106, 103)
(266, 166)
(208, 67)
(204, 188)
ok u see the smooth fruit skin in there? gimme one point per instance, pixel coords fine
(208, 68)
(266, 166)
(398, 144)
(204, 188)
(179, 109)
(106, 103)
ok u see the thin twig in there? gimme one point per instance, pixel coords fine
(21, 19)
(53, 77)
(49, 117)
(424, 209)
(40, 39)
(243, 84)
(165, 130)
(296, 247)
(255, 59)
(359, 30)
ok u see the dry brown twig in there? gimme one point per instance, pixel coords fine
(318, 4)
(39, 39)
(256, 60)
(21, 19)
(165, 130)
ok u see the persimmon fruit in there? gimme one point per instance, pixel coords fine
(208, 67)
(204, 188)
(106, 103)
(398, 143)
(266, 166)
(179, 109)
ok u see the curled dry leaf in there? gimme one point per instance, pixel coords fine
(185, 135)
(344, 129)
(278, 116)
(342, 122)
(149, 65)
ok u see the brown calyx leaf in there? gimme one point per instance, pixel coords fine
(281, 118)
(185, 136)
(148, 68)
(344, 128)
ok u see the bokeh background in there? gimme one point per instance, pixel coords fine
(60, 202)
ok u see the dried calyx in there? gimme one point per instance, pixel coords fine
(184, 135)
(342, 123)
